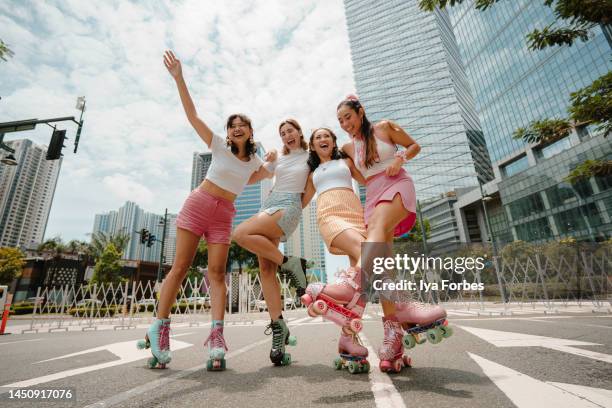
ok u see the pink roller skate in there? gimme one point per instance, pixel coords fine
(343, 303)
(353, 355)
(391, 353)
(422, 321)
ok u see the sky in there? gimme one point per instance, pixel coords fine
(269, 59)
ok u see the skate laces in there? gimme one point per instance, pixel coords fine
(215, 338)
(348, 276)
(276, 330)
(164, 336)
(392, 333)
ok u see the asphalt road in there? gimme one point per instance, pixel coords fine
(525, 360)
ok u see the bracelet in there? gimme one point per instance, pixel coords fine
(401, 154)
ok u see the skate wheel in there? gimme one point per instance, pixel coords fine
(338, 363)
(209, 365)
(222, 364)
(447, 331)
(319, 307)
(434, 335)
(311, 311)
(162, 366)
(306, 299)
(409, 341)
(397, 365)
(353, 367)
(356, 325)
(365, 368)
(292, 341)
(407, 361)
(142, 344)
(420, 338)
(385, 366)
(286, 359)
(152, 362)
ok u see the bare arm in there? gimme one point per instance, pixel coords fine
(260, 174)
(308, 192)
(347, 148)
(356, 174)
(174, 67)
(399, 136)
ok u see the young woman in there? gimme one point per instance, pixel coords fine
(341, 223)
(390, 210)
(279, 217)
(208, 212)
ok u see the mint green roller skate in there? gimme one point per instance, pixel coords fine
(216, 349)
(158, 339)
(280, 338)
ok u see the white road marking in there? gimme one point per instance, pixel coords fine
(527, 392)
(160, 383)
(511, 339)
(126, 351)
(385, 393)
(597, 396)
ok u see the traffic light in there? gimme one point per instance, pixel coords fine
(54, 151)
(151, 240)
(144, 235)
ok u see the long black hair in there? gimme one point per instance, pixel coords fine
(367, 131)
(313, 157)
(250, 147)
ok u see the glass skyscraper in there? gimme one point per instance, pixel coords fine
(407, 69)
(513, 86)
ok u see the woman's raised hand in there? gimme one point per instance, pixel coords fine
(172, 64)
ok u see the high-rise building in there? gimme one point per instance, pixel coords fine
(201, 163)
(306, 242)
(512, 86)
(407, 69)
(131, 219)
(26, 194)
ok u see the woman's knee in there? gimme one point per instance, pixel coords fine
(239, 234)
(216, 273)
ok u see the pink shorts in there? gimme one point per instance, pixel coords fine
(384, 188)
(207, 216)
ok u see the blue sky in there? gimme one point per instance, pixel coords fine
(269, 59)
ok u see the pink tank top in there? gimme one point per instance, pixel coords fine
(384, 150)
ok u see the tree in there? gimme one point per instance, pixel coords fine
(100, 240)
(200, 260)
(5, 51)
(11, 264)
(108, 266)
(573, 21)
(55, 245)
(241, 256)
(416, 234)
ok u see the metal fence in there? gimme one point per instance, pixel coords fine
(535, 283)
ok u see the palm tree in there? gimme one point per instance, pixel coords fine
(100, 240)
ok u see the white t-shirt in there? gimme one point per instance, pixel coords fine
(291, 172)
(226, 170)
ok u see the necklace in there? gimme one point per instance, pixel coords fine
(325, 165)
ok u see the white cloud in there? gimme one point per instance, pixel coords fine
(268, 59)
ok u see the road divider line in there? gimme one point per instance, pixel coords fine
(385, 393)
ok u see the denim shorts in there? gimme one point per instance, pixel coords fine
(290, 204)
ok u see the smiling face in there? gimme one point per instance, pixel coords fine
(239, 130)
(290, 136)
(323, 143)
(350, 120)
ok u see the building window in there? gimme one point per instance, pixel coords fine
(516, 166)
(553, 148)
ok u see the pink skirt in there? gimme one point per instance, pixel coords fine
(384, 188)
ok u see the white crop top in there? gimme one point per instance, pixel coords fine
(332, 174)
(226, 170)
(386, 156)
(291, 172)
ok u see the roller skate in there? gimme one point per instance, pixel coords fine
(280, 338)
(158, 339)
(294, 269)
(343, 302)
(216, 349)
(391, 353)
(353, 355)
(422, 322)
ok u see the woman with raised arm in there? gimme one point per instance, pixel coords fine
(207, 213)
(279, 217)
(341, 223)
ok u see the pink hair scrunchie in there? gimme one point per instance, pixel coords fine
(352, 97)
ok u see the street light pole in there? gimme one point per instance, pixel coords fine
(486, 215)
(161, 253)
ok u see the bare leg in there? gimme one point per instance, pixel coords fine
(380, 229)
(217, 261)
(270, 285)
(257, 234)
(186, 246)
